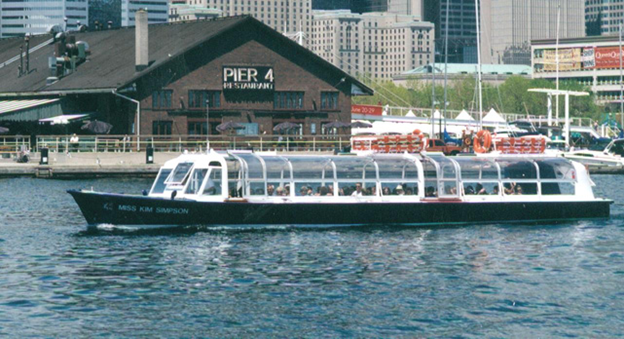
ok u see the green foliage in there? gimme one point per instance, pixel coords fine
(510, 97)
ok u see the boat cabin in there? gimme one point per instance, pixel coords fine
(262, 177)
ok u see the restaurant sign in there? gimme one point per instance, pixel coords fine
(254, 78)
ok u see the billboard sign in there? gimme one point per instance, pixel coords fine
(252, 78)
(607, 57)
(569, 59)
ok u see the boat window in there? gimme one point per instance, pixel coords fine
(312, 168)
(195, 180)
(521, 188)
(397, 168)
(213, 186)
(392, 188)
(180, 173)
(256, 187)
(314, 189)
(255, 168)
(353, 168)
(477, 168)
(431, 179)
(159, 183)
(517, 169)
(480, 188)
(555, 169)
(558, 188)
(351, 188)
(235, 183)
(277, 189)
(277, 168)
(448, 181)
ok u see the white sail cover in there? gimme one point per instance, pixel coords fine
(493, 116)
(463, 115)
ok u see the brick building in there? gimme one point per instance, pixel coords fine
(243, 70)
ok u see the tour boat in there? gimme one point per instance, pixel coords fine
(238, 188)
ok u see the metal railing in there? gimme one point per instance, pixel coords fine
(13, 144)
(509, 117)
(180, 143)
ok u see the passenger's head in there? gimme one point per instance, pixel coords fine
(270, 189)
(358, 186)
(399, 189)
(324, 190)
(280, 191)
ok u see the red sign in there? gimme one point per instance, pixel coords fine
(366, 109)
(607, 57)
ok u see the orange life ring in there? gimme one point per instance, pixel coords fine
(483, 141)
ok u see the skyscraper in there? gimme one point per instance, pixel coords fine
(157, 11)
(405, 7)
(508, 26)
(599, 16)
(462, 32)
(104, 12)
(22, 17)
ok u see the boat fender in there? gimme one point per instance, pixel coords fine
(483, 141)
(173, 194)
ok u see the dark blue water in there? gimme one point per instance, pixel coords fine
(56, 280)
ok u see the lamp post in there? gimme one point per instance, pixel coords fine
(207, 126)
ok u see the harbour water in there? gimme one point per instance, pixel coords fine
(498, 280)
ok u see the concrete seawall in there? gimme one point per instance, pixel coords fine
(86, 165)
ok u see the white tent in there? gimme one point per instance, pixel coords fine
(463, 115)
(437, 115)
(410, 114)
(493, 116)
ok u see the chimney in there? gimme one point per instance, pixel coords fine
(141, 40)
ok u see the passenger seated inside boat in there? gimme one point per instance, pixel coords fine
(358, 190)
(280, 192)
(270, 190)
(399, 190)
(430, 191)
(480, 189)
(494, 190)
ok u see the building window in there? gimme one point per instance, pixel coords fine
(329, 100)
(288, 100)
(197, 128)
(162, 127)
(197, 98)
(161, 99)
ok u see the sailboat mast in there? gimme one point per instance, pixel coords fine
(557, 64)
(477, 10)
(446, 26)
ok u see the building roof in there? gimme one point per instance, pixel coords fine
(111, 62)
(472, 69)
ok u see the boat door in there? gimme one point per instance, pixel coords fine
(441, 177)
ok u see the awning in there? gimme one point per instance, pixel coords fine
(29, 110)
(64, 119)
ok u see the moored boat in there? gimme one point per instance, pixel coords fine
(253, 189)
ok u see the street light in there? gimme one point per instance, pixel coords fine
(207, 126)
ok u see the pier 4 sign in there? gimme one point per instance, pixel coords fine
(248, 78)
